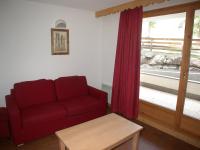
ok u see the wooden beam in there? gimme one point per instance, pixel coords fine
(128, 5)
(172, 9)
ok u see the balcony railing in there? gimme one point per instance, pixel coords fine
(169, 51)
(169, 44)
(162, 57)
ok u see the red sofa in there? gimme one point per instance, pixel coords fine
(39, 108)
(4, 127)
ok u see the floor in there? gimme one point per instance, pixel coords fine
(150, 139)
(167, 100)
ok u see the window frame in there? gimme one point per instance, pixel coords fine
(175, 122)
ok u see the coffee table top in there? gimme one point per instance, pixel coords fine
(104, 132)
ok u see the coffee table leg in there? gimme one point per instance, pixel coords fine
(135, 141)
(61, 145)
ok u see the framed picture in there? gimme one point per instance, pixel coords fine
(60, 41)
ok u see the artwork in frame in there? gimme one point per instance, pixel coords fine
(60, 41)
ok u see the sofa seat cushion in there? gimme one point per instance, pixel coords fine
(36, 92)
(82, 105)
(70, 87)
(47, 113)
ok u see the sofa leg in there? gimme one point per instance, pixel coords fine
(20, 145)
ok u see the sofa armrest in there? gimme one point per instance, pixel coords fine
(13, 113)
(98, 93)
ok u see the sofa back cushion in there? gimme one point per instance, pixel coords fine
(30, 93)
(69, 87)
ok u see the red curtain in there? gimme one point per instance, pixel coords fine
(126, 80)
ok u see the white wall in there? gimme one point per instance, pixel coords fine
(109, 43)
(109, 33)
(25, 48)
(25, 44)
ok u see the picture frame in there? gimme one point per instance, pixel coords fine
(59, 41)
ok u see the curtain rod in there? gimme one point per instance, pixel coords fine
(125, 6)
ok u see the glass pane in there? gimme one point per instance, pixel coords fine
(162, 42)
(192, 101)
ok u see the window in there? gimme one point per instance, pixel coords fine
(170, 69)
(192, 101)
(161, 54)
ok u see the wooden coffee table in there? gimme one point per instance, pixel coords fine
(104, 133)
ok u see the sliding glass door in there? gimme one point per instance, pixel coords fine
(170, 68)
(191, 112)
(192, 101)
(161, 55)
